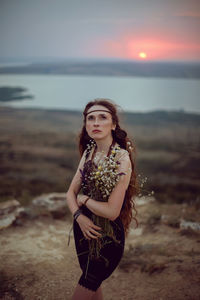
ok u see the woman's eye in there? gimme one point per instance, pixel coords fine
(90, 118)
(103, 117)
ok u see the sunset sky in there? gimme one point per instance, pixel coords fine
(105, 29)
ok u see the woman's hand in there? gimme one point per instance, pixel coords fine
(81, 199)
(88, 228)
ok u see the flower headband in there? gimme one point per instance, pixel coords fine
(97, 110)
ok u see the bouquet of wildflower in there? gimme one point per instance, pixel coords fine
(98, 182)
(105, 176)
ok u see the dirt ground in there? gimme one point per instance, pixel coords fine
(161, 261)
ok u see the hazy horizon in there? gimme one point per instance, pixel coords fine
(27, 60)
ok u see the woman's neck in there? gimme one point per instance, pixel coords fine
(104, 145)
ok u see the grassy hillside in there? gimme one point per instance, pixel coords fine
(38, 152)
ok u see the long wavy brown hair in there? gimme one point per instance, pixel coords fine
(120, 137)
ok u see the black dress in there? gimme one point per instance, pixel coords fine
(95, 270)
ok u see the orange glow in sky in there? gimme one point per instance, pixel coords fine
(142, 55)
(158, 48)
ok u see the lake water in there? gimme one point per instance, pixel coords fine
(131, 93)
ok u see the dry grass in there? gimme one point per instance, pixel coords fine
(38, 153)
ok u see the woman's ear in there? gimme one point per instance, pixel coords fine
(113, 127)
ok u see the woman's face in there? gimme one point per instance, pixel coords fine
(99, 122)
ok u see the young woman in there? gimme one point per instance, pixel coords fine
(103, 212)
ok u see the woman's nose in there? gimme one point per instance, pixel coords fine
(96, 122)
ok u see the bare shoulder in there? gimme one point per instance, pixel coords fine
(124, 162)
(122, 154)
(82, 160)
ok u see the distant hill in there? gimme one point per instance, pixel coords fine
(71, 120)
(117, 68)
(163, 117)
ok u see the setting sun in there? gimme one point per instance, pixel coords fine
(142, 55)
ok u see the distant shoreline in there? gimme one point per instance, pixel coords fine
(109, 68)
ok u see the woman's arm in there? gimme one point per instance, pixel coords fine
(74, 187)
(111, 209)
(88, 228)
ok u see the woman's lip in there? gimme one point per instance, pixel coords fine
(96, 130)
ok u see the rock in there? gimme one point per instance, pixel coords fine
(30, 212)
(136, 231)
(144, 200)
(154, 218)
(172, 221)
(53, 204)
(153, 267)
(10, 211)
(189, 225)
